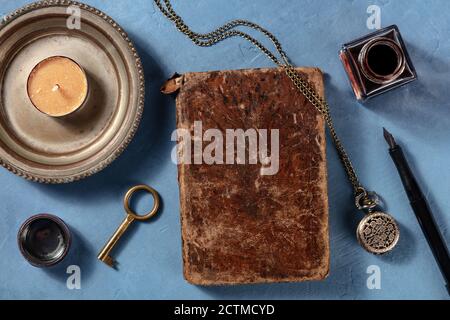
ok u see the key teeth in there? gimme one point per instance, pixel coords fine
(110, 262)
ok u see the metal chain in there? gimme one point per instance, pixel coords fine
(228, 31)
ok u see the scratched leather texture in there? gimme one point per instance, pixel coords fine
(239, 226)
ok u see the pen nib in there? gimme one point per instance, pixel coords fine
(389, 138)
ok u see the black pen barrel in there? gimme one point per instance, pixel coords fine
(433, 236)
(409, 181)
(423, 213)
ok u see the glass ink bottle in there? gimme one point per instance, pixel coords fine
(377, 63)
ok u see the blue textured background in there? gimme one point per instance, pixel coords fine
(312, 33)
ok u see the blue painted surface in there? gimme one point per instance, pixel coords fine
(312, 33)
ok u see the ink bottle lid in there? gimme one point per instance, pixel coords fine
(377, 63)
(44, 240)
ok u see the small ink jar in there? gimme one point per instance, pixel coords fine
(44, 240)
(377, 63)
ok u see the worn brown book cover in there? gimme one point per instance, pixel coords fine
(251, 219)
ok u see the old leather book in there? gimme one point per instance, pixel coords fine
(239, 226)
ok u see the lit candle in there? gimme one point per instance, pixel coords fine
(57, 86)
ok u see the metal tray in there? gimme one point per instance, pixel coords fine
(51, 150)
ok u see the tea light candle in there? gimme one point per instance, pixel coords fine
(57, 86)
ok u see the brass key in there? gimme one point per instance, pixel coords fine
(104, 255)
